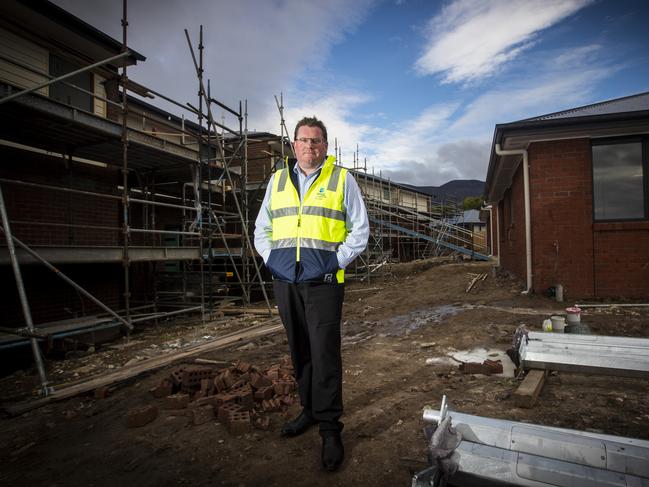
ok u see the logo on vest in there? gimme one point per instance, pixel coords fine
(320, 194)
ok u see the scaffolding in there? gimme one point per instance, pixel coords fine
(182, 198)
(407, 224)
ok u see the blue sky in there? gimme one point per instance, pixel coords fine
(418, 85)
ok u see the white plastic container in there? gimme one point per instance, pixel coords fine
(558, 323)
(574, 315)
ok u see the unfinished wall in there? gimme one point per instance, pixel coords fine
(49, 297)
(27, 206)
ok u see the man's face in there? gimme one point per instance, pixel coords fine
(309, 154)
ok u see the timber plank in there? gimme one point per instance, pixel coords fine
(529, 390)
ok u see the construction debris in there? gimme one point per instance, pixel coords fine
(618, 356)
(147, 365)
(476, 278)
(498, 452)
(238, 396)
(487, 367)
(141, 416)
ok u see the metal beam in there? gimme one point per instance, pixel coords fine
(86, 255)
(499, 452)
(6, 229)
(590, 354)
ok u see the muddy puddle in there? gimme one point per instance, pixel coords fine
(400, 325)
(405, 324)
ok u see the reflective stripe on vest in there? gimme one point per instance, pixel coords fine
(319, 223)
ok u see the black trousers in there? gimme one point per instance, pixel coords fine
(311, 314)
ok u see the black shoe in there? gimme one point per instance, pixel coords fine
(333, 452)
(299, 425)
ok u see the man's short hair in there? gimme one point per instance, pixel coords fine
(311, 122)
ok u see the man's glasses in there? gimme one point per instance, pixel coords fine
(312, 140)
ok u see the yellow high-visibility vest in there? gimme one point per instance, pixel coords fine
(311, 231)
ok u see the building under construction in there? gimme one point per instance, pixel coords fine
(116, 212)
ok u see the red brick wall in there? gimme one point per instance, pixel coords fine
(32, 205)
(562, 240)
(590, 260)
(622, 259)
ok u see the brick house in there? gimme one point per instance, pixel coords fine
(569, 195)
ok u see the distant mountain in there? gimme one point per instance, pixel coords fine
(458, 188)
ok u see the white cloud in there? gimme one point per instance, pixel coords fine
(253, 48)
(472, 39)
(447, 141)
(455, 143)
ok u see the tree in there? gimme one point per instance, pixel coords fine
(472, 203)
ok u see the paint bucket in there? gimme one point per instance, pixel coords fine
(574, 315)
(558, 323)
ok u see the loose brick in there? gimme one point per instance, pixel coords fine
(239, 423)
(141, 416)
(176, 401)
(192, 376)
(242, 367)
(202, 414)
(102, 392)
(283, 387)
(176, 377)
(244, 397)
(204, 401)
(259, 381)
(219, 384)
(207, 386)
(494, 366)
(241, 381)
(163, 389)
(228, 378)
(225, 410)
(264, 393)
(262, 423)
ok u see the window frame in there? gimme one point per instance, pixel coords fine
(644, 160)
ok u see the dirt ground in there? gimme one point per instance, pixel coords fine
(391, 326)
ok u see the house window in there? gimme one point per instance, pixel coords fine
(64, 92)
(619, 180)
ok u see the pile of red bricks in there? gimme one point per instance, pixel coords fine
(239, 396)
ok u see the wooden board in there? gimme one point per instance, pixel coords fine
(529, 390)
(148, 365)
(249, 311)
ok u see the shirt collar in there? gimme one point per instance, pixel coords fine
(296, 169)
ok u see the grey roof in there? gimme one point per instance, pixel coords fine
(633, 103)
(472, 216)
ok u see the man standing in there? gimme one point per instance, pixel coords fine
(311, 225)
